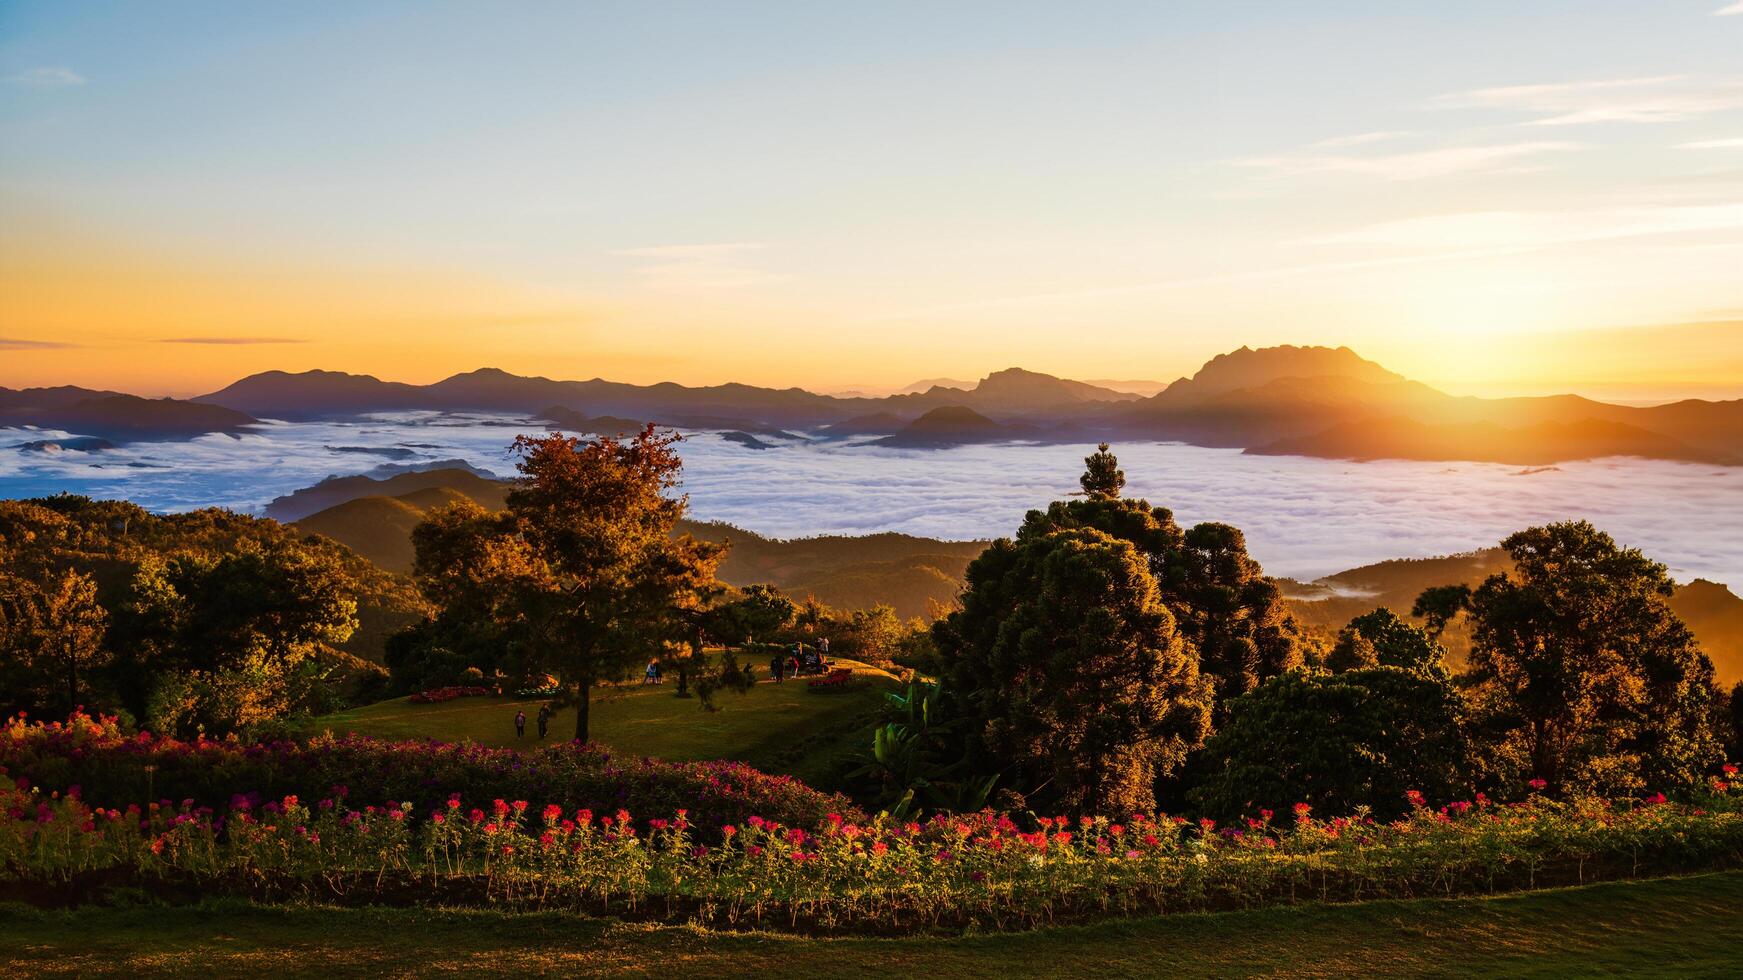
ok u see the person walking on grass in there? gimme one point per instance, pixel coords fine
(776, 671)
(520, 724)
(544, 719)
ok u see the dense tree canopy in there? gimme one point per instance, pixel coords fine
(1364, 737)
(582, 576)
(1102, 477)
(206, 618)
(51, 639)
(1583, 675)
(1381, 639)
(1221, 600)
(1082, 688)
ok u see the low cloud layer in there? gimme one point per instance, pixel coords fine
(1302, 517)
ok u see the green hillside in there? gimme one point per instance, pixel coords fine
(782, 728)
(912, 574)
(1713, 612)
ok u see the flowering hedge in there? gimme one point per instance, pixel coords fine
(115, 769)
(841, 872)
(437, 695)
(836, 681)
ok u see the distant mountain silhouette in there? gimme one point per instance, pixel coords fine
(1330, 402)
(927, 384)
(315, 394)
(1143, 389)
(337, 490)
(42, 399)
(1248, 368)
(952, 425)
(603, 425)
(323, 394)
(878, 424)
(80, 444)
(118, 418)
(1317, 401)
(1015, 391)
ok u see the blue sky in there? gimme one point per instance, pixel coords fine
(860, 195)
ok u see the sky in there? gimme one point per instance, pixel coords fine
(1492, 197)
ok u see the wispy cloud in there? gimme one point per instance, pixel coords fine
(1731, 11)
(1266, 274)
(1417, 165)
(232, 341)
(1538, 229)
(1654, 99)
(721, 265)
(1724, 144)
(1362, 139)
(18, 343)
(47, 78)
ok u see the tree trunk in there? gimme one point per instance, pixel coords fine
(683, 678)
(583, 701)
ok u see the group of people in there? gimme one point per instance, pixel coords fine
(520, 721)
(799, 659)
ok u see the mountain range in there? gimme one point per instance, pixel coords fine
(111, 415)
(1314, 401)
(375, 517)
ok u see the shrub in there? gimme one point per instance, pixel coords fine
(441, 694)
(838, 681)
(114, 769)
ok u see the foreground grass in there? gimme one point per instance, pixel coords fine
(766, 727)
(1667, 927)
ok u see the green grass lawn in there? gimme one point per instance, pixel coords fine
(1668, 927)
(778, 727)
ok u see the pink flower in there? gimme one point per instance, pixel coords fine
(1538, 784)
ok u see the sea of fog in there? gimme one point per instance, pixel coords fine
(1302, 517)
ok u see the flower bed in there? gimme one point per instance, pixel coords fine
(840, 872)
(116, 769)
(836, 681)
(441, 694)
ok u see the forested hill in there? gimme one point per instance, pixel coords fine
(913, 575)
(1711, 610)
(110, 540)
